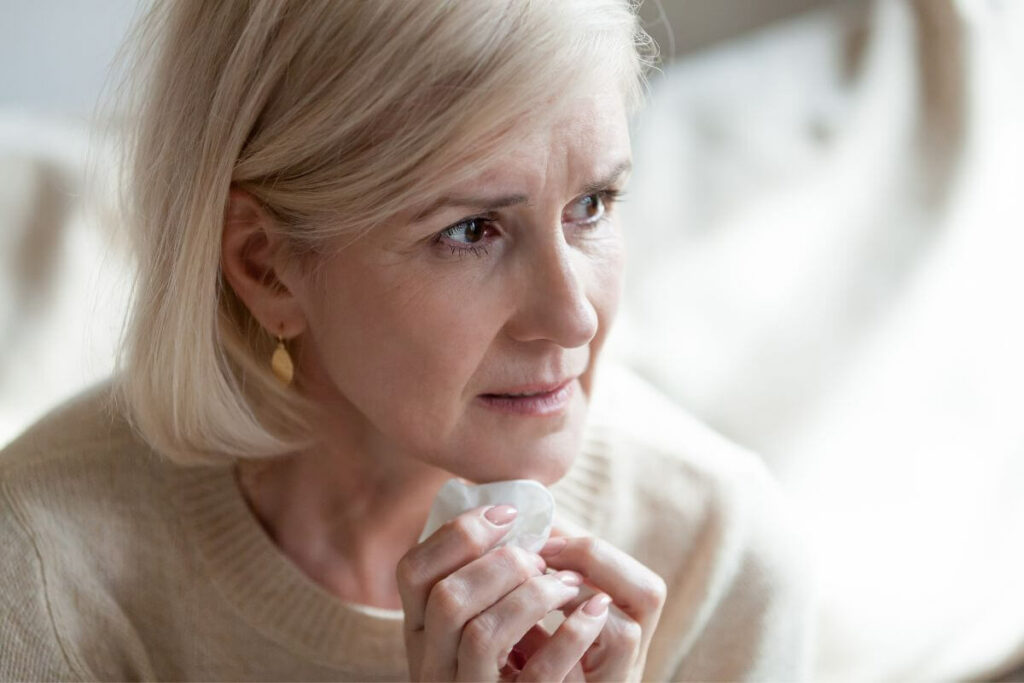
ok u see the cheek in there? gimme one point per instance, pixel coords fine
(606, 280)
(605, 292)
(612, 278)
(401, 350)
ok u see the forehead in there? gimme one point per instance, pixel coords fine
(585, 135)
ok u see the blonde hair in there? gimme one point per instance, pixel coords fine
(336, 115)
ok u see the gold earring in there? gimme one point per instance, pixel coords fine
(281, 363)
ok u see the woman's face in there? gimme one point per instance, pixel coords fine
(418, 333)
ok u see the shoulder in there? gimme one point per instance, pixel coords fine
(84, 438)
(85, 423)
(79, 495)
(40, 531)
(30, 646)
(77, 472)
(77, 465)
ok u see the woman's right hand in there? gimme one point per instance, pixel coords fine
(466, 606)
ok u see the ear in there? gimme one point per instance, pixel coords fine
(252, 265)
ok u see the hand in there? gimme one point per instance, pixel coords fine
(467, 605)
(637, 594)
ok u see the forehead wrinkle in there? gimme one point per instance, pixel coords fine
(469, 202)
(556, 149)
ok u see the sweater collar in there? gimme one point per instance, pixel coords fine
(277, 598)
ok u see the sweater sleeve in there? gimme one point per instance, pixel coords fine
(29, 646)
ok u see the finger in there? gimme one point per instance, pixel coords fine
(619, 630)
(516, 658)
(586, 592)
(634, 588)
(465, 593)
(561, 526)
(576, 674)
(616, 650)
(532, 640)
(562, 652)
(490, 635)
(456, 543)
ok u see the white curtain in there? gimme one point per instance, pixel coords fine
(826, 219)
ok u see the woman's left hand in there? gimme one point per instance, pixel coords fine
(637, 597)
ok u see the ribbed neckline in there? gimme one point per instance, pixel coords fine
(272, 594)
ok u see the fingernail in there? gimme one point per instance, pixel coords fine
(541, 564)
(554, 546)
(597, 605)
(570, 578)
(500, 515)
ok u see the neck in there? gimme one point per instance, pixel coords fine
(345, 517)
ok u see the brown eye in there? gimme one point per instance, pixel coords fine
(474, 232)
(468, 231)
(587, 209)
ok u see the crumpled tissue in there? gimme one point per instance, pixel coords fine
(532, 525)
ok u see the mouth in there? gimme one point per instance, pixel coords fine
(541, 400)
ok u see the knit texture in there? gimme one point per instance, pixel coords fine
(120, 565)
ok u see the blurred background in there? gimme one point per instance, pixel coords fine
(825, 230)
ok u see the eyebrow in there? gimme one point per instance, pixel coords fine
(494, 203)
(603, 183)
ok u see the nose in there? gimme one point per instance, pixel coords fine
(553, 302)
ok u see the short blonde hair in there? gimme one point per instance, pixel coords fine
(336, 115)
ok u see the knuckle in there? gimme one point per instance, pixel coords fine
(537, 589)
(506, 555)
(445, 603)
(545, 591)
(410, 572)
(588, 545)
(653, 593)
(577, 632)
(478, 638)
(470, 533)
(517, 560)
(628, 638)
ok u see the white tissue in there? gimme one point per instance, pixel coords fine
(532, 525)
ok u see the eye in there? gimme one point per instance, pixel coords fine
(469, 231)
(469, 235)
(590, 208)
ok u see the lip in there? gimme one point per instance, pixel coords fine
(547, 399)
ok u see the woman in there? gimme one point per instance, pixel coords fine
(378, 249)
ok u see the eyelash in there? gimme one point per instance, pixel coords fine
(609, 198)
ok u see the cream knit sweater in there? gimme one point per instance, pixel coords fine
(117, 564)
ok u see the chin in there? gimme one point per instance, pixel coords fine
(546, 460)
